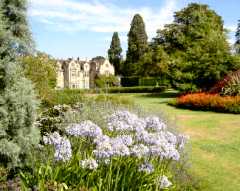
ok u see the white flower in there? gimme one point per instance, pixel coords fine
(154, 123)
(124, 121)
(89, 164)
(140, 150)
(164, 182)
(84, 129)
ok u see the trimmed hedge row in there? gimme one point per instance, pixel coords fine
(209, 102)
(138, 89)
(143, 81)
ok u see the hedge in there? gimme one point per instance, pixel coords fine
(138, 89)
(143, 81)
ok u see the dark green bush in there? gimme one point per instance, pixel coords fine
(129, 81)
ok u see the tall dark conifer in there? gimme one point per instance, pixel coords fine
(137, 45)
(114, 53)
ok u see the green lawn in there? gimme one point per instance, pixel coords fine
(214, 141)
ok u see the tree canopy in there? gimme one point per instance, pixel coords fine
(137, 45)
(196, 43)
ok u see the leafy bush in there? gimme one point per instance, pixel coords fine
(107, 148)
(41, 70)
(50, 119)
(211, 102)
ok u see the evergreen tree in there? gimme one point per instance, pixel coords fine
(237, 35)
(137, 45)
(17, 100)
(114, 53)
(14, 13)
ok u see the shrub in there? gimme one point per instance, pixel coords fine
(41, 70)
(18, 103)
(211, 102)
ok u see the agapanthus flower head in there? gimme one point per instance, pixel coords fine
(52, 139)
(140, 150)
(89, 164)
(63, 150)
(146, 167)
(155, 123)
(124, 121)
(107, 147)
(164, 182)
(125, 139)
(84, 129)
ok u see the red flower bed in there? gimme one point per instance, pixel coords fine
(212, 102)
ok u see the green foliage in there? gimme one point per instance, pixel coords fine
(17, 99)
(103, 81)
(154, 63)
(66, 96)
(197, 46)
(153, 81)
(50, 119)
(137, 46)
(114, 53)
(41, 70)
(14, 14)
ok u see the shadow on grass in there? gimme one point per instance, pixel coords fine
(167, 94)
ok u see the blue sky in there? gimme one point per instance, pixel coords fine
(83, 28)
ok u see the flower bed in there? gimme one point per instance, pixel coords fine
(210, 102)
(108, 149)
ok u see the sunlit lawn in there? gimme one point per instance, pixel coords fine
(215, 141)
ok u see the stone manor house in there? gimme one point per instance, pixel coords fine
(78, 74)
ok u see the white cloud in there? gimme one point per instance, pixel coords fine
(72, 16)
